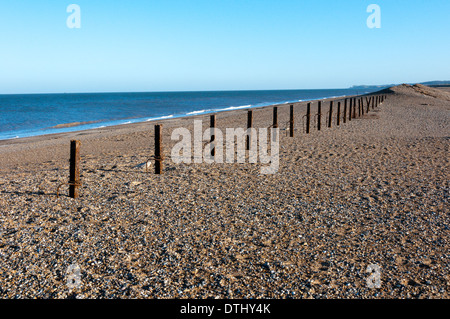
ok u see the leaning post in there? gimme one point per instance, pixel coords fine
(291, 121)
(158, 149)
(74, 171)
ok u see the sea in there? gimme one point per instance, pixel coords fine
(25, 115)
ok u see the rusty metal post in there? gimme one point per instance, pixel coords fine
(291, 121)
(212, 125)
(308, 117)
(319, 115)
(345, 111)
(158, 149)
(354, 108)
(74, 178)
(330, 115)
(249, 125)
(338, 116)
(350, 109)
(275, 117)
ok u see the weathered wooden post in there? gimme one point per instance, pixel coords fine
(330, 115)
(158, 149)
(350, 109)
(354, 108)
(249, 126)
(275, 117)
(319, 115)
(345, 111)
(359, 107)
(308, 117)
(291, 121)
(74, 174)
(362, 106)
(213, 137)
(338, 116)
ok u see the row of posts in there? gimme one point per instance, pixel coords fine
(349, 104)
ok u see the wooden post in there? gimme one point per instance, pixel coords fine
(345, 111)
(359, 107)
(373, 102)
(158, 149)
(275, 117)
(291, 121)
(338, 116)
(308, 117)
(74, 178)
(249, 125)
(350, 109)
(319, 115)
(362, 106)
(368, 105)
(330, 115)
(354, 108)
(213, 137)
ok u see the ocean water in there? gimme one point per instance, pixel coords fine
(25, 115)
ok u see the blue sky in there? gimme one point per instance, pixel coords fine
(185, 45)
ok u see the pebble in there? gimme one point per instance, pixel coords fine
(222, 230)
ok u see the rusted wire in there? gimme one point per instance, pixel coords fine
(316, 118)
(76, 184)
(304, 123)
(153, 158)
(288, 126)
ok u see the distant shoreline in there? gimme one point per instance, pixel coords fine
(63, 127)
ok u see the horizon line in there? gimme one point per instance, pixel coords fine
(192, 91)
(227, 90)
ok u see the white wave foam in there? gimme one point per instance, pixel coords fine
(236, 107)
(196, 112)
(159, 118)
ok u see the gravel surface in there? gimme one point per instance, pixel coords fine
(373, 192)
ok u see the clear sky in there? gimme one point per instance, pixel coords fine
(184, 45)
